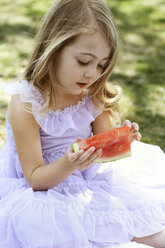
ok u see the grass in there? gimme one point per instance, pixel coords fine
(139, 71)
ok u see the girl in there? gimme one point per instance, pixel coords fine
(51, 197)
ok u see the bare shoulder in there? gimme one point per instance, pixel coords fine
(14, 104)
(18, 115)
(15, 108)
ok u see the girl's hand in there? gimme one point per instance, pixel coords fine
(82, 159)
(134, 127)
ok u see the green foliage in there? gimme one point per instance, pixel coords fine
(140, 67)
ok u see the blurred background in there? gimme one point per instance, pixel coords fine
(140, 70)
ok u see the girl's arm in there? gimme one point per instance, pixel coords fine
(26, 133)
(102, 124)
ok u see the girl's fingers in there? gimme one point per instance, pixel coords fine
(81, 157)
(98, 153)
(134, 127)
(95, 156)
(135, 136)
(127, 123)
(73, 156)
(86, 154)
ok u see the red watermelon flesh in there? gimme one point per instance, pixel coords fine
(115, 144)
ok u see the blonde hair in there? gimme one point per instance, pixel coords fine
(64, 22)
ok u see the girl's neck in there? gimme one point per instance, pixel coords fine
(63, 100)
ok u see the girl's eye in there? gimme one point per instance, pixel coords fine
(100, 67)
(83, 63)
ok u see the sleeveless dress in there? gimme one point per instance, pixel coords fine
(101, 207)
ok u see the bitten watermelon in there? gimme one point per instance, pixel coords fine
(115, 144)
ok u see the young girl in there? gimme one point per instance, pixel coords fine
(51, 197)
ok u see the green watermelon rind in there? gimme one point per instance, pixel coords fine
(106, 160)
(75, 147)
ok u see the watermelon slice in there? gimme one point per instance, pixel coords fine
(115, 144)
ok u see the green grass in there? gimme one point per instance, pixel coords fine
(139, 71)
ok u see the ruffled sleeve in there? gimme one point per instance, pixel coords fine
(28, 93)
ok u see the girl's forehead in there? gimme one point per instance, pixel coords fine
(92, 43)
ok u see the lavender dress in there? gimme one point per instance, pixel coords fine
(103, 206)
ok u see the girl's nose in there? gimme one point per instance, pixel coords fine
(91, 73)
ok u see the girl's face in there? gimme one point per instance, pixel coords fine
(81, 63)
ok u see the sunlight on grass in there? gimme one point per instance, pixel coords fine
(133, 37)
(161, 36)
(156, 98)
(124, 69)
(149, 3)
(14, 57)
(127, 106)
(18, 25)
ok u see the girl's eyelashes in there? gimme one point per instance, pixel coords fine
(87, 63)
(83, 63)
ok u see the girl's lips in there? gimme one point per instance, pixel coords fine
(82, 85)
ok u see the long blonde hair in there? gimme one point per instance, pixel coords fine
(64, 22)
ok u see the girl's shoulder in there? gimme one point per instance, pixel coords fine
(19, 119)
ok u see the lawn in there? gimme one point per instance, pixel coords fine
(139, 71)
